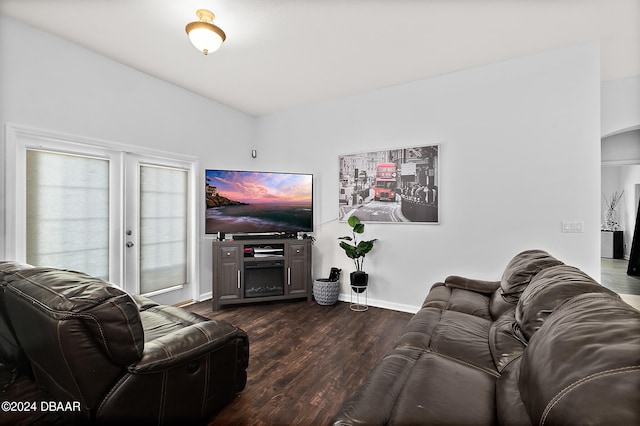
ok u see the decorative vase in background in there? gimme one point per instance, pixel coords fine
(610, 220)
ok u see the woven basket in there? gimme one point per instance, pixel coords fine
(326, 292)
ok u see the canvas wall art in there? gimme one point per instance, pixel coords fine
(391, 186)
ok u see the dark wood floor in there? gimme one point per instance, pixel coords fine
(305, 359)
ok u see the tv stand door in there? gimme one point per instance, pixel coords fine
(298, 268)
(228, 267)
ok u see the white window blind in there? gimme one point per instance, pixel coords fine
(67, 218)
(163, 227)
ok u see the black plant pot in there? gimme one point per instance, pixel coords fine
(359, 280)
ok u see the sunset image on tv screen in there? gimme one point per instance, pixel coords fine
(246, 202)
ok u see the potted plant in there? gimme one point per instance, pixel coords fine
(357, 251)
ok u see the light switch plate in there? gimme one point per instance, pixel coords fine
(572, 226)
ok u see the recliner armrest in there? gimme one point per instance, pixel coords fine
(479, 286)
(190, 342)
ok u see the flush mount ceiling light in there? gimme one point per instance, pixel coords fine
(205, 36)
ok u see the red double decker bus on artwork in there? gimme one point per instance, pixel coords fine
(386, 182)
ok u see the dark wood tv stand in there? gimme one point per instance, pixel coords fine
(261, 270)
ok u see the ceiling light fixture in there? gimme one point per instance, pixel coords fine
(205, 36)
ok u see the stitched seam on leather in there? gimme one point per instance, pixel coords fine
(111, 391)
(102, 338)
(171, 317)
(414, 361)
(459, 361)
(66, 363)
(167, 352)
(37, 302)
(131, 334)
(581, 382)
(510, 362)
(203, 331)
(151, 365)
(37, 284)
(40, 368)
(55, 293)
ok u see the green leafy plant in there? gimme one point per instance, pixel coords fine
(353, 248)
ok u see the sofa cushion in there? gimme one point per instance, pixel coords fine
(517, 275)
(469, 302)
(411, 386)
(438, 384)
(583, 365)
(451, 334)
(548, 290)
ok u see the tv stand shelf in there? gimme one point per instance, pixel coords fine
(249, 271)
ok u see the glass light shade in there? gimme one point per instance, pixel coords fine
(205, 37)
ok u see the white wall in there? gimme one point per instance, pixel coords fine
(520, 153)
(620, 105)
(50, 84)
(622, 148)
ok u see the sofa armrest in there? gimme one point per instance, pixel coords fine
(478, 286)
(188, 343)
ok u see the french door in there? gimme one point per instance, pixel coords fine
(99, 208)
(156, 228)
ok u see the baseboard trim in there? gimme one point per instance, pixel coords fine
(380, 303)
(346, 297)
(205, 296)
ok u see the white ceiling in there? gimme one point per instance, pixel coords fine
(283, 53)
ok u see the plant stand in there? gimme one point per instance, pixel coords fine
(357, 305)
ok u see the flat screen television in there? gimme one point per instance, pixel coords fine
(246, 202)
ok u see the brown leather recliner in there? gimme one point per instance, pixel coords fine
(125, 359)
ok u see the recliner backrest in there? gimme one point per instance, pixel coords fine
(79, 332)
(517, 275)
(582, 366)
(548, 290)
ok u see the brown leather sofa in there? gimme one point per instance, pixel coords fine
(120, 359)
(545, 345)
